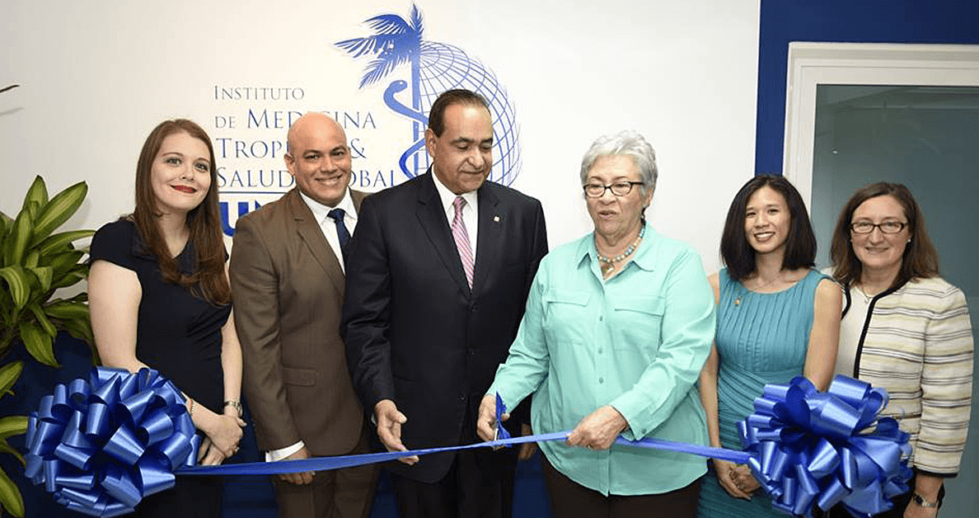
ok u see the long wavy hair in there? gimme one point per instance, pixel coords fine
(208, 281)
(920, 258)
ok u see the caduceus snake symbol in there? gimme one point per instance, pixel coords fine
(398, 107)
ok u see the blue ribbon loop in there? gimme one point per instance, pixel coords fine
(102, 445)
(819, 448)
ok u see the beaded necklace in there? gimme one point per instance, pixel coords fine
(608, 263)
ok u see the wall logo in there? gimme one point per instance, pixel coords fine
(386, 132)
(434, 68)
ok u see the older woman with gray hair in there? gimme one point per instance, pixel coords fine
(617, 328)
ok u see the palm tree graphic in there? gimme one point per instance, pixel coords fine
(394, 43)
(435, 68)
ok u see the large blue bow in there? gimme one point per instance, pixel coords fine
(826, 447)
(102, 445)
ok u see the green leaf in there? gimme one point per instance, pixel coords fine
(32, 209)
(6, 448)
(44, 275)
(37, 192)
(53, 242)
(18, 282)
(67, 310)
(82, 330)
(42, 319)
(10, 496)
(32, 258)
(62, 262)
(58, 210)
(69, 279)
(8, 376)
(13, 425)
(13, 248)
(38, 343)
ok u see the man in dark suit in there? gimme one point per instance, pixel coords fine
(439, 274)
(287, 282)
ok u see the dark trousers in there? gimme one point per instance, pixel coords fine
(191, 497)
(342, 493)
(572, 500)
(478, 484)
(901, 503)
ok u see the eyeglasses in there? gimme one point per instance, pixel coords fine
(597, 190)
(887, 227)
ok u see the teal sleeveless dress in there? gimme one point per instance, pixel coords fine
(761, 338)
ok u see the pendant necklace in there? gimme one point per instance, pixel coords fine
(608, 263)
(866, 298)
(737, 301)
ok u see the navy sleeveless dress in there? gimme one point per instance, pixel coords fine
(179, 335)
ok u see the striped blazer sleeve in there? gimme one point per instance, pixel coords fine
(946, 386)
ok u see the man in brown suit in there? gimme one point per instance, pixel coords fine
(287, 280)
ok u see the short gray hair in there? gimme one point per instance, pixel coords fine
(625, 143)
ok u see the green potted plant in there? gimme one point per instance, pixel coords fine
(35, 262)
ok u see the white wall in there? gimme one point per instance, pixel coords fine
(96, 76)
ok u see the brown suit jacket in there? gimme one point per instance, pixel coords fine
(288, 290)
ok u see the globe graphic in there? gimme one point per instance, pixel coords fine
(444, 67)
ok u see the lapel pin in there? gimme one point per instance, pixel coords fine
(496, 219)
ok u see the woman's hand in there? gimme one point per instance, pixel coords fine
(599, 429)
(222, 435)
(914, 510)
(745, 479)
(729, 479)
(486, 420)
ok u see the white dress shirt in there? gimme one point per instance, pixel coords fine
(329, 226)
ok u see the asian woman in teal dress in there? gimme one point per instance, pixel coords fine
(777, 318)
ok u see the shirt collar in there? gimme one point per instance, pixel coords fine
(321, 211)
(643, 257)
(448, 197)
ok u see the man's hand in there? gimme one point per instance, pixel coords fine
(486, 421)
(299, 479)
(527, 449)
(389, 421)
(598, 430)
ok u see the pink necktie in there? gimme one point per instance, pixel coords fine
(461, 237)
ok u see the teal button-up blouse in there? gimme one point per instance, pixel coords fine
(637, 342)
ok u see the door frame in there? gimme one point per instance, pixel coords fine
(812, 64)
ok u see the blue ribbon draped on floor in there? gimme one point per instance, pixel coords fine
(102, 445)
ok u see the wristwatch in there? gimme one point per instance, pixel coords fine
(920, 500)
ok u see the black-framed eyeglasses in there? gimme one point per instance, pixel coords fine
(597, 190)
(887, 227)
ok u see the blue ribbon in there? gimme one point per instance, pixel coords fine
(102, 445)
(503, 441)
(819, 448)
